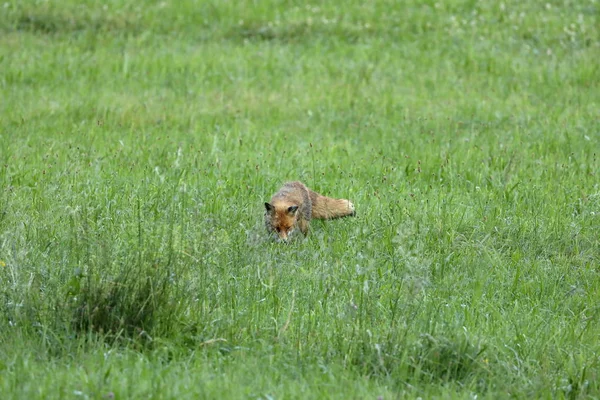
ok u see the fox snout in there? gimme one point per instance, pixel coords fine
(283, 235)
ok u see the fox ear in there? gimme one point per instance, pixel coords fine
(292, 209)
(268, 207)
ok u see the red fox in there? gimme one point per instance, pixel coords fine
(293, 206)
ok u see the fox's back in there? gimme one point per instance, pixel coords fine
(292, 192)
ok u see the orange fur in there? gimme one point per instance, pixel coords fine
(294, 205)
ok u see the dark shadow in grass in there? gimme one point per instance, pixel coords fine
(299, 32)
(128, 306)
(46, 24)
(430, 359)
(445, 359)
(51, 23)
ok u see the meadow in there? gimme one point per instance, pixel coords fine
(140, 140)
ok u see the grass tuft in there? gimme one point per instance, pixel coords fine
(130, 305)
(442, 359)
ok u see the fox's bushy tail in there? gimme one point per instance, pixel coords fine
(324, 207)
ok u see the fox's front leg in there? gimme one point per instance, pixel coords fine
(303, 225)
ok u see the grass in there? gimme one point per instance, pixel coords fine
(139, 141)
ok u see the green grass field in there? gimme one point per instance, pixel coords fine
(139, 141)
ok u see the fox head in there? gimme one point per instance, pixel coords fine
(281, 219)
